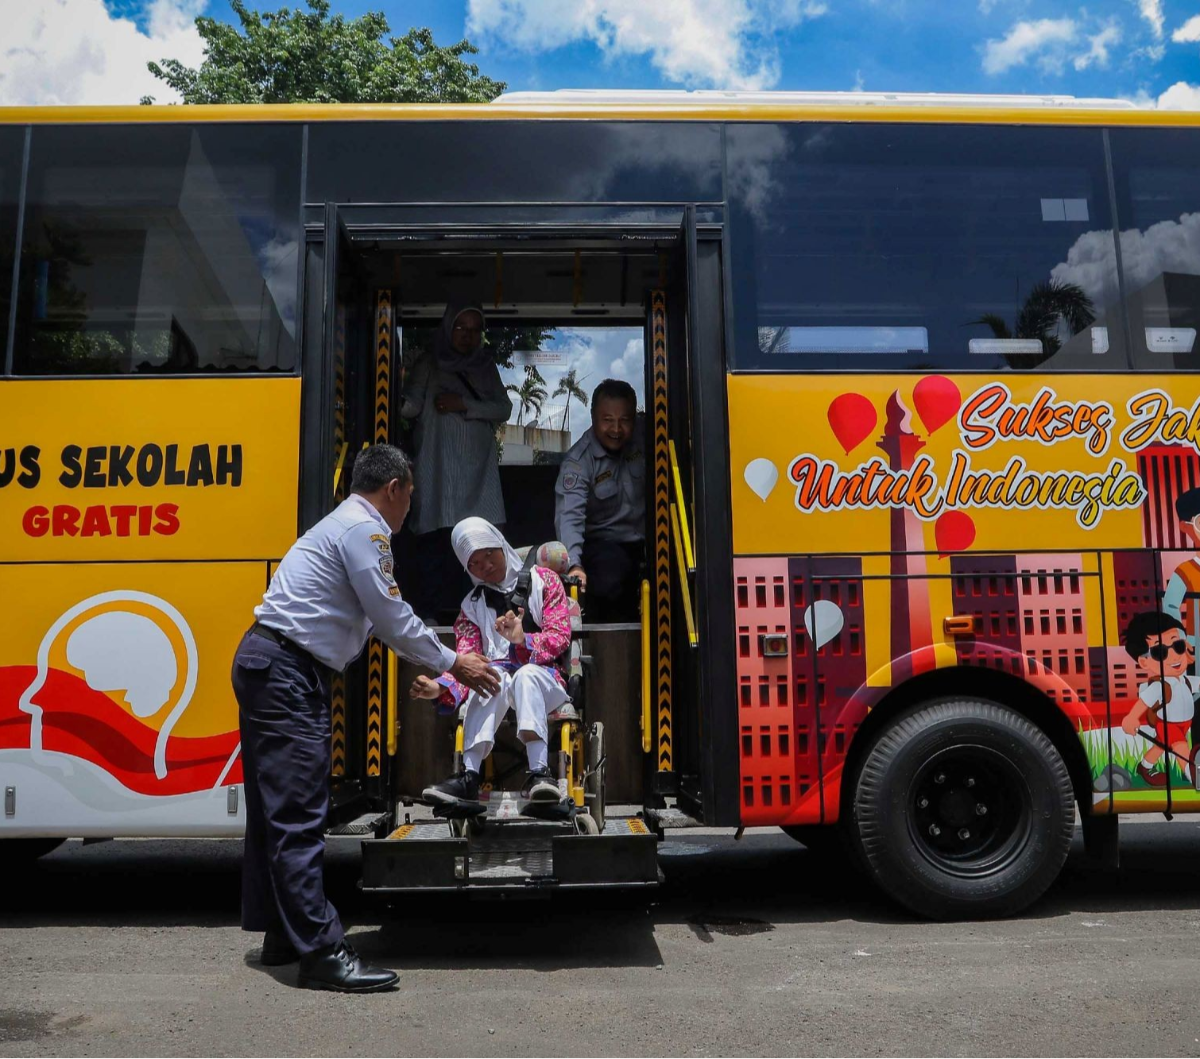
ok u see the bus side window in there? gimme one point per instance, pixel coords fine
(953, 248)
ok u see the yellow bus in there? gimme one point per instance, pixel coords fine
(922, 461)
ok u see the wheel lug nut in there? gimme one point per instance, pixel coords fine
(934, 830)
(980, 809)
(940, 778)
(922, 802)
(964, 834)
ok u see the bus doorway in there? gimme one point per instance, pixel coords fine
(564, 311)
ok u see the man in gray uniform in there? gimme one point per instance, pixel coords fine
(333, 589)
(600, 504)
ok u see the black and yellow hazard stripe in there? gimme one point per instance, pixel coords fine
(383, 388)
(662, 526)
(337, 687)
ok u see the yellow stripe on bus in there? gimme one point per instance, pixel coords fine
(316, 112)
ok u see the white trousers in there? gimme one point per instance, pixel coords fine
(532, 691)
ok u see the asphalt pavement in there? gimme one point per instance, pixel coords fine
(753, 947)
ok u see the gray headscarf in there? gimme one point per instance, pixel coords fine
(449, 358)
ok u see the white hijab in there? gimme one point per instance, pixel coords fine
(475, 534)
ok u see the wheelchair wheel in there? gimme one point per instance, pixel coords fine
(593, 789)
(586, 825)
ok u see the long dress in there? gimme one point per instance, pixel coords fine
(457, 468)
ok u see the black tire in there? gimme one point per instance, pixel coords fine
(963, 809)
(17, 851)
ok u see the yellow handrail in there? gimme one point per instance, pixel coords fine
(689, 554)
(393, 728)
(337, 471)
(684, 588)
(646, 684)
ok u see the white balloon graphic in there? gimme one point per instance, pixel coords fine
(824, 621)
(761, 476)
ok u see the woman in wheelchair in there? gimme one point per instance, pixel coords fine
(525, 640)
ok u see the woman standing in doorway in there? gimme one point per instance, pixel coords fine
(456, 399)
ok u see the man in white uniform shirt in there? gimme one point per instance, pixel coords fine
(333, 589)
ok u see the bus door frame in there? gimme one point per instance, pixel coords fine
(701, 348)
(702, 249)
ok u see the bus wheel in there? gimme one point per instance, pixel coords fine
(964, 809)
(16, 851)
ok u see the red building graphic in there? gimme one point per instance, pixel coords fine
(777, 732)
(1166, 471)
(1053, 623)
(1135, 584)
(841, 663)
(985, 586)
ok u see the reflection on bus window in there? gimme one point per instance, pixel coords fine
(893, 341)
(1158, 207)
(11, 146)
(993, 245)
(166, 250)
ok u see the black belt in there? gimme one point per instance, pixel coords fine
(274, 635)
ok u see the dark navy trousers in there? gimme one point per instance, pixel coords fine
(283, 700)
(613, 580)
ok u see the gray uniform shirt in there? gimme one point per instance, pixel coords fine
(335, 588)
(600, 496)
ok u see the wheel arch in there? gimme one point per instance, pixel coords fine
(990, 684)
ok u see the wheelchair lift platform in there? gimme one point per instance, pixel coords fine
(501, 856)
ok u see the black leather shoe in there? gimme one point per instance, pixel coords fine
(339, 968)
(277, 950)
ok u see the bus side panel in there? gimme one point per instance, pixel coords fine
(889, 504)
(132, 557)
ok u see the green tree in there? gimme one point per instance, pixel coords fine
(1039, 317)
(531, 394)
(295, 56)
(569, 386)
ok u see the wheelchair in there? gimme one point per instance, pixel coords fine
(577, 747)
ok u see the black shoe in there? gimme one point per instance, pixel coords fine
(339, 968)
(461, 788)
(541, 787)
(277, 950)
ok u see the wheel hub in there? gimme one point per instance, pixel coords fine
(966, 813)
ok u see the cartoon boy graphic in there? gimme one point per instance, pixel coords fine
(1182, 596)
(1167, 701)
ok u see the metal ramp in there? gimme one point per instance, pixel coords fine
(510, 855)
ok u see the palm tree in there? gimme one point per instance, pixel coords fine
(531, 393)
(569, 386)
(1047, 304)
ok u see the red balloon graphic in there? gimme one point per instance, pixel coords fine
(852, 417)
(937, 400)
(953, 532)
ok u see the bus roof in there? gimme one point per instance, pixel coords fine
(637, 105)
(572, 97)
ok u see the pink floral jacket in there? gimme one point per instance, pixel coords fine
(540, 648)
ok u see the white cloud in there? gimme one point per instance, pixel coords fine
(719, 43)
(1180, 96)
(1099, 44)
(1044, 40)
(596, 353)
(76, 52)
(1152, 12)
(1189, 32)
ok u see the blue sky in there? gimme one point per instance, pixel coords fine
(885, 45)
(1149, 50)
